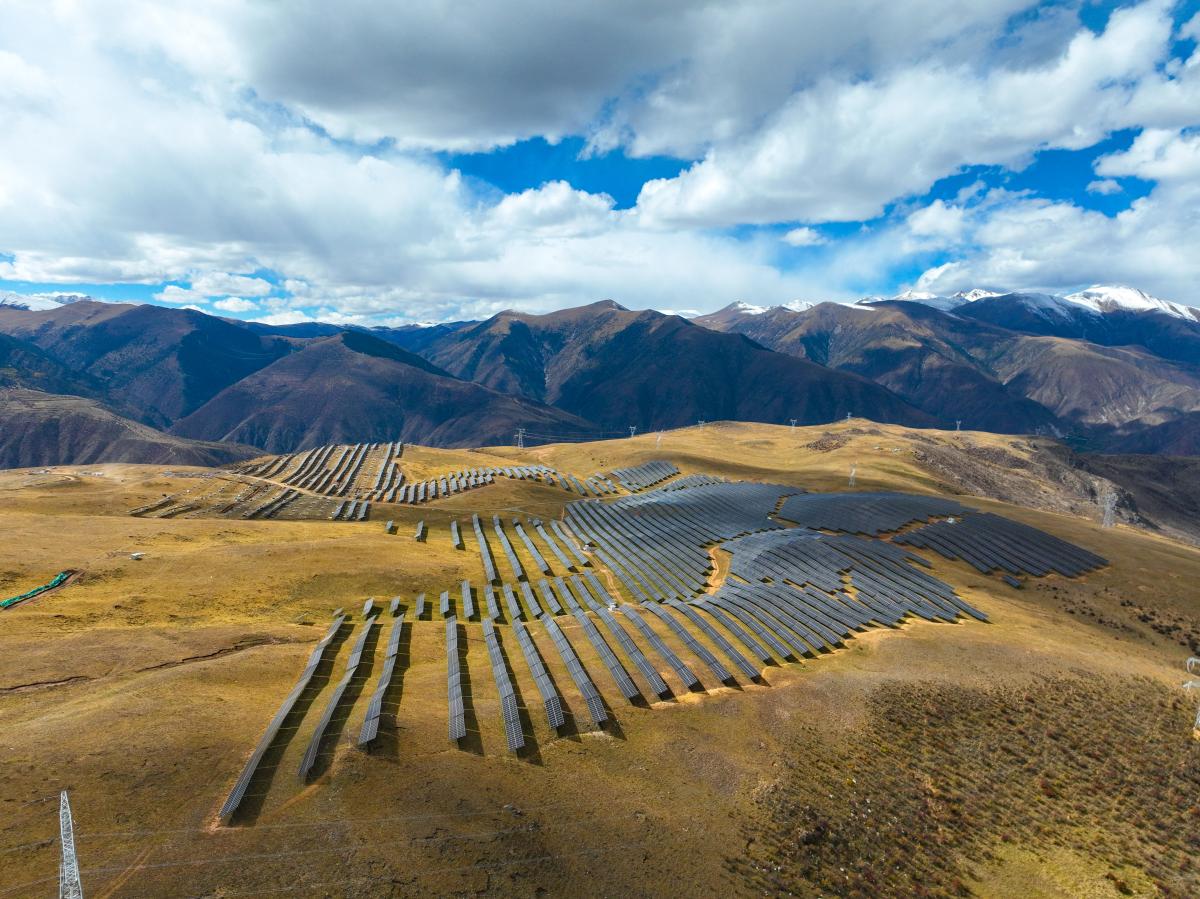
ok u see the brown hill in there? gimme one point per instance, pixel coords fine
(619, 368)
(39, 428)
(162, 363)
(354, 387)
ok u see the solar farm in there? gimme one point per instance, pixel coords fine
(390, 670)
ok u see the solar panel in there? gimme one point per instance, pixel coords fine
(335, 699)
(238, 793)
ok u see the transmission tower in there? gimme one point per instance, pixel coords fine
(1193, 667)
(957, 425)
(853, 473)
(701, 422)
(658, 442)
(1108, 502)
(69, 885)
(793, 425)
(520, 438)
(847, 416)
(632, 430)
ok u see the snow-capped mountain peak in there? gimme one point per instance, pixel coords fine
(746, 308)
(975, 293)
(798, 306)
(39, 302)
(1114, 298)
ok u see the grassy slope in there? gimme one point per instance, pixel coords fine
(142, 687)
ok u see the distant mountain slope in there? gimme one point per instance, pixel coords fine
(39, 428)
(355, 387)
(918, 352)
(24, 365)
(165, 363)
(619, 368)
(991, 377)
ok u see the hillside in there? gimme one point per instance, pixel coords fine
(39, 429)
(159, 364)
(937, 757)
(619, 368)
(352, 387)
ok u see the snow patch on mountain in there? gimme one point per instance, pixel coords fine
(1104, 298)
(39, 302)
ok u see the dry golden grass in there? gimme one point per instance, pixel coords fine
(143, 686)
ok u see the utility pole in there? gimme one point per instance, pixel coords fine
(520, 438)
(632, 431)
(69, 885)
(853, 473)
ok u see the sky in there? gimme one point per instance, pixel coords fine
(428, 161)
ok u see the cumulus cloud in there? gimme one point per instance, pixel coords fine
(804, 237)
(1023, 241)
(235, 304)
(841, 150)
(195, 148)
(1106, 186)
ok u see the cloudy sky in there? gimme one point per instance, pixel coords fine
(443, 160)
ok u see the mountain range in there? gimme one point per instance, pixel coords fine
(1112, 369)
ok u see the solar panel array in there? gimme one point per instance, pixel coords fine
(646, 475)
(550, 698)
(389, 477)
(791, 592)
(990, 542)
(865, 513)
(655, 543)
(238, 793)
(508, 695)
(273, 506)
(458, 713)
(619, 675)
(335, 699)
(583, 683)
(351, 510)
(370, 728)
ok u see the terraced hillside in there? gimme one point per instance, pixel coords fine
(697, 664)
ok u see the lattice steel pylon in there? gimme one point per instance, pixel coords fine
(69, 885)
(1193, 667)
(1109, 503)
(853, 474)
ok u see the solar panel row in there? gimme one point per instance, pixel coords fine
(990, 542)
(458, 714)
(238, 793)
(335, 699)
(509, 710)
(370, 728)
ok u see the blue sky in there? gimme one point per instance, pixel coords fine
(403, 167)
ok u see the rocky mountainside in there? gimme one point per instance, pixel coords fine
(39, 429)
(991, 371)
(354, 387)
(619, 368)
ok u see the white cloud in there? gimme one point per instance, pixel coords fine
(1027, 242)
(843, 149)
(167, 142)
(804, 237)
(1106, 186)
(235, 304)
